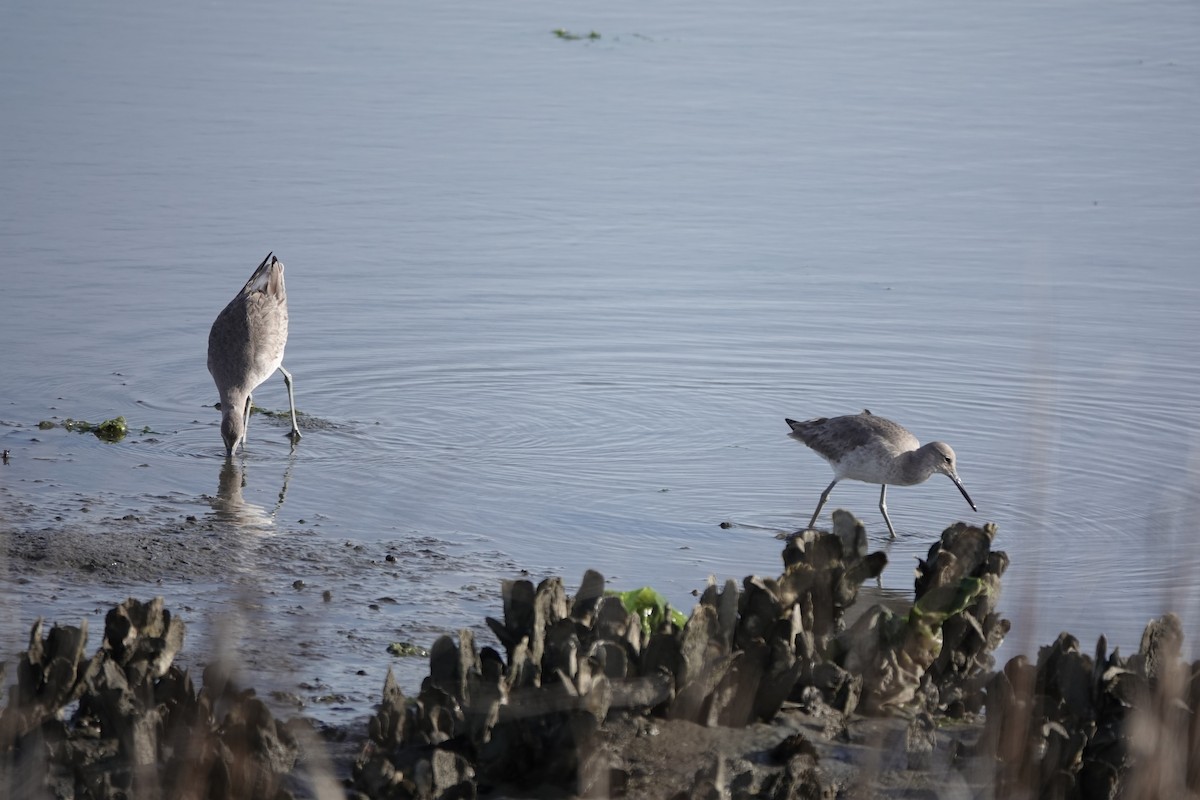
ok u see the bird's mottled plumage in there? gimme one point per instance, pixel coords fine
(864, 447)
(245, 346)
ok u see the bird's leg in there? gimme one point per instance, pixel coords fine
(246, 418)
(883, 508)
(287, 380)
(824, 496)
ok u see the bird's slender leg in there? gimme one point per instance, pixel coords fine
(246, 419)
(824, 496)
(883, 508)
(287, 379)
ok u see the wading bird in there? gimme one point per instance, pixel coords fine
(864, 447)
(245, 346)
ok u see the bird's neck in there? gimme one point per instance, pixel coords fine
(911, 468)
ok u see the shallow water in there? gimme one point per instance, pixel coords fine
(551, 300)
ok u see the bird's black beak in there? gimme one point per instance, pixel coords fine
(963, 489)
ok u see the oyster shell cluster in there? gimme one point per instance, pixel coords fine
(139, 729)
(532, 715)
(1075, 725)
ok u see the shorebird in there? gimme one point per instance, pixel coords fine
(864, 447)
(245, 347)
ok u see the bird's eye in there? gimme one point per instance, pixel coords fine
(947, 458)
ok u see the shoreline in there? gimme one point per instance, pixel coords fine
(848, 710)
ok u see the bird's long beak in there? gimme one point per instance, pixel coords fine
(963, 489)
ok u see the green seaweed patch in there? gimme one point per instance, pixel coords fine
(650, 607)
(567, 36)
(923, 622)
(280, 414)
(111, 430)
(943, 602)
(407, 650)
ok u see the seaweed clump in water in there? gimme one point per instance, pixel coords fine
(111, 430)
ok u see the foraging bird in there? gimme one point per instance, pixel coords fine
(864, 447)
(245, 346)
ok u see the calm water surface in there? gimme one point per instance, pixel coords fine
(551, 300)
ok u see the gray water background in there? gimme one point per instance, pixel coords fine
(551, 299)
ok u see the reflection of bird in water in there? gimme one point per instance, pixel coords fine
(245, 346)
(230, 505)
(864, 447)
